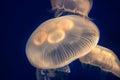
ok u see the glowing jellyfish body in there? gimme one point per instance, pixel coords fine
(59, 41)
(81, 7)
(103, 58)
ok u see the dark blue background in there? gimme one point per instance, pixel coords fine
(21, 17)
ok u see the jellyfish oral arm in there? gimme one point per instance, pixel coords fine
(104, 59)
(47, 74)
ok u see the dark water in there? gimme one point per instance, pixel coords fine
(19, 18)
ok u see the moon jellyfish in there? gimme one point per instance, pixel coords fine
(103, 58)
(59, 41)
(81, 7)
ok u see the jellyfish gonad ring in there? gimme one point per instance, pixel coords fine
(56, 36)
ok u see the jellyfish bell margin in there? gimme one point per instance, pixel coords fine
(59, 46)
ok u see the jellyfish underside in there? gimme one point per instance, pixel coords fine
(103, 58)
(53, 74)
(59, 41)
(81, 7)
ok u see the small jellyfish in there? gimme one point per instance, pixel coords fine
(53, 74)
(59, 41)
(103, 58)
(81, 7)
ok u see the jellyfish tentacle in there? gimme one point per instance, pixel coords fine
(58, 12)
(65, 69)
(103, 58)
(52, 74)
(57, 6)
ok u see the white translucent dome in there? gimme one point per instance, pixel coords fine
(59, 41)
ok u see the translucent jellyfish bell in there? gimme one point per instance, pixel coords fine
(59, 41)
(81, 7)
(103, 58)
